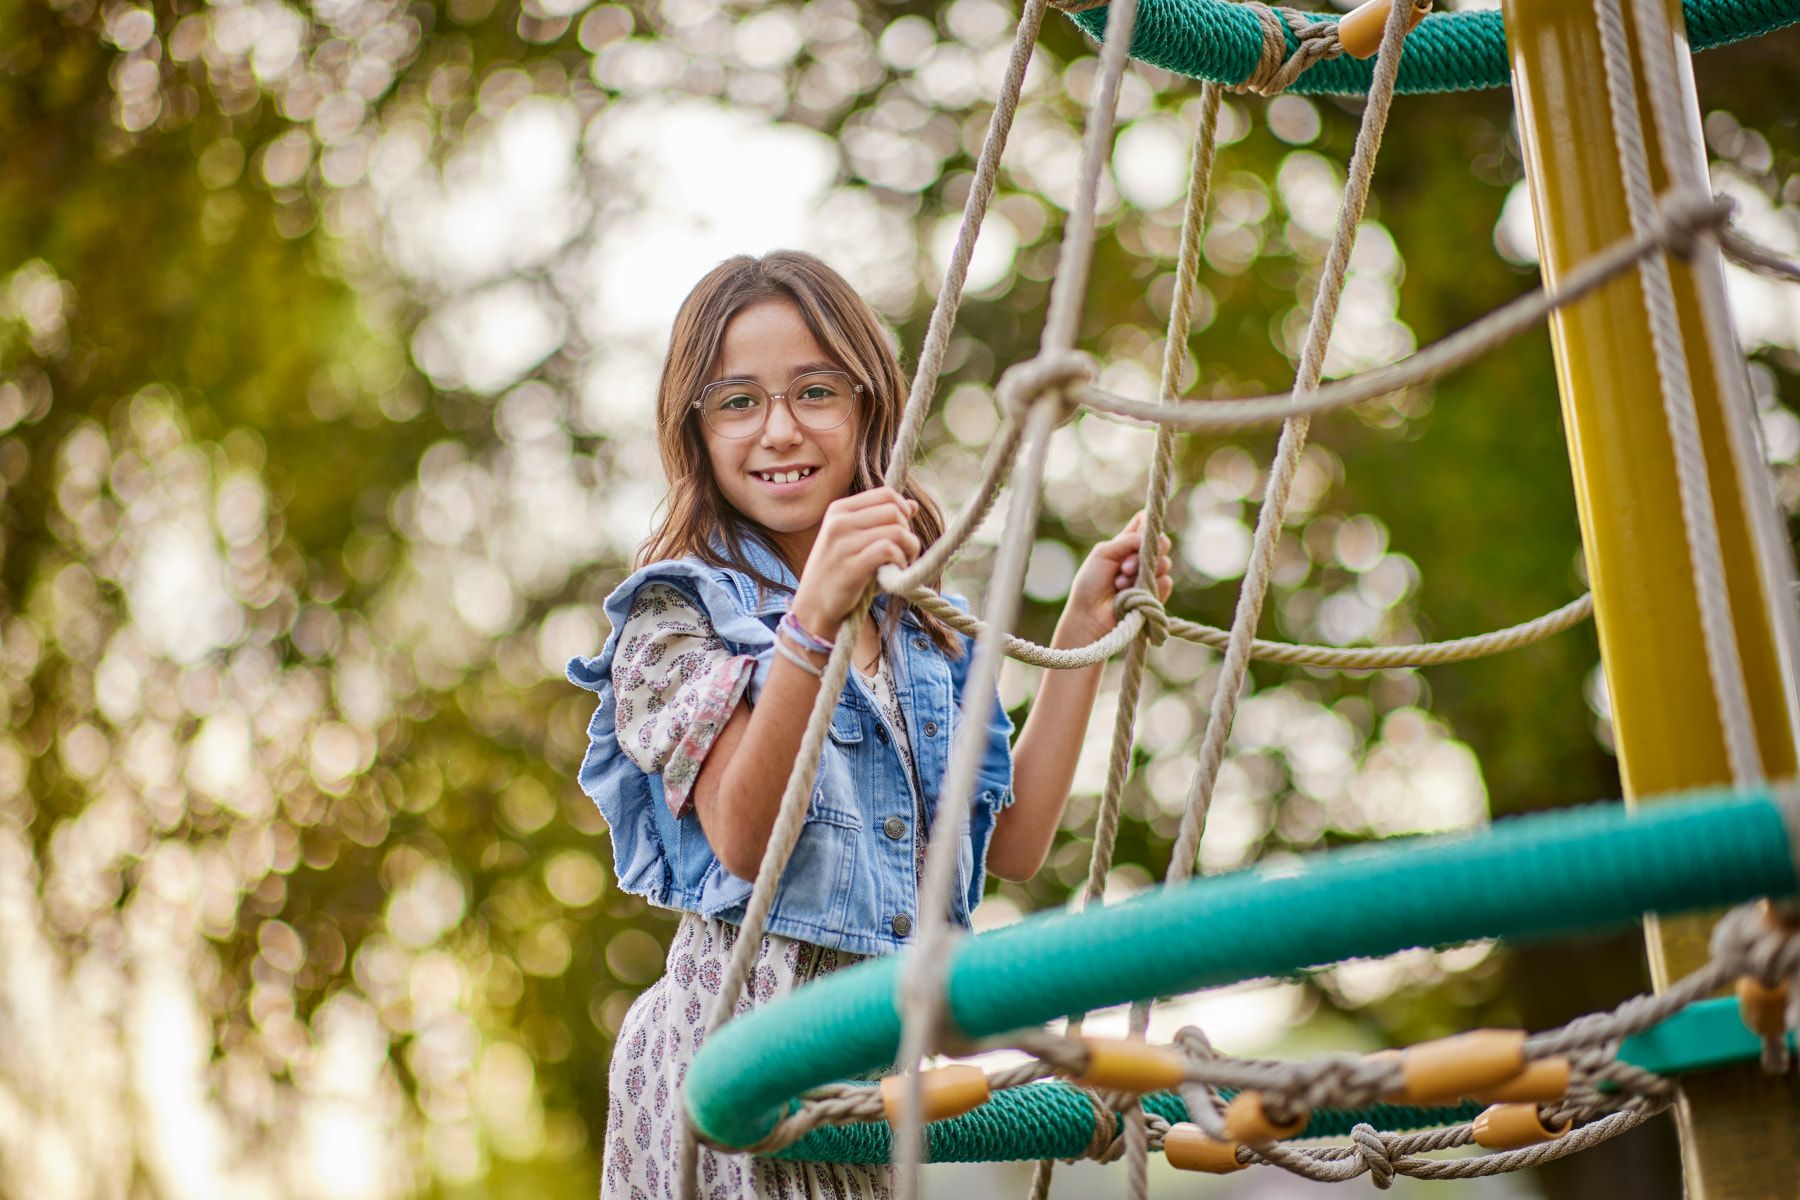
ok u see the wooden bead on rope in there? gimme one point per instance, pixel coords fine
(947, 1092)
(1247, 1119)
(1450, 1068)
(1514, 1126)
(1544, 1080)
(1785, 917)
(1360, 30)
(1131, 1065)
(1189, 1149)
(1763, 1008)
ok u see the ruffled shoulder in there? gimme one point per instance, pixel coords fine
(718, 593)
(654, 854)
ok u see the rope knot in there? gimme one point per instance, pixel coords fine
(1684, 214)
(1754, 940)
(1276, 69)
(1105, 1145)
(1023, 384)
(1372, 1147)
(1143, 600)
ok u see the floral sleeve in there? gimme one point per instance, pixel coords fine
(676, 685)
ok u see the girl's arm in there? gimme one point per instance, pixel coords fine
(1045, 753)
(738, 791)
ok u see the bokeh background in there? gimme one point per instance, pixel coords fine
(328, 336)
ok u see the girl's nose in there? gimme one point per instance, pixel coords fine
(780, 428)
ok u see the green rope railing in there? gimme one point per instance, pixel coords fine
(1221, 41)
(1537, 876)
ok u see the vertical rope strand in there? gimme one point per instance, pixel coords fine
(1698, 518)
(1293, 440)
(1156, 498)
(1774, 553)
(1068, 291)
(925, 970)
(1281, 476)
(981, 192)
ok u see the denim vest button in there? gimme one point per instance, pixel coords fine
(931, 729)
(894, 827)
(920, 643)
(881, 733)
(902, 925)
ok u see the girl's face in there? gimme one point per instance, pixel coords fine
(770, 344)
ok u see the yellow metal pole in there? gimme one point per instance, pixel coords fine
(1740, 1129)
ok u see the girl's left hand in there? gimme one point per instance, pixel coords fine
(1110, 568)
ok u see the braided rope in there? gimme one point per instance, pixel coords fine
(1156, 497)
(1273, 513)
(1223, 41)
(1675, 222)
(1698, 517)
(1771, 549)
(923, 971)
(1347, 658)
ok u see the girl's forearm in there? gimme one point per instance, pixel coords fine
(1044, 759)
(738, 793)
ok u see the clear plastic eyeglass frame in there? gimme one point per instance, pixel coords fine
(801, 417)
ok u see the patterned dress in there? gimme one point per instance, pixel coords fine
(676, 686)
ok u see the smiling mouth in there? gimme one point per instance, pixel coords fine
(793, 475)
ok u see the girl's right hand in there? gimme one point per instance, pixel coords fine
(859, 534)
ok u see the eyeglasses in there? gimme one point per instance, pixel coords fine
(739, 408)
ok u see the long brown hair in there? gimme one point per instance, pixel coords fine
(848, 329)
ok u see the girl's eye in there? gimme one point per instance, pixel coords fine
(741, 402)
(816, 392)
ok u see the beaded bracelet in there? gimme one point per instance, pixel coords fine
(790, 624)
(798, 659)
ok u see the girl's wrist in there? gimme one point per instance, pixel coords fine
(1074, 630)
(812, 621)
(803, 636)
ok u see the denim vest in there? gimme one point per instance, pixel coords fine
(850, 883)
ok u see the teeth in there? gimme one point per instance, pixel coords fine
(794, 476)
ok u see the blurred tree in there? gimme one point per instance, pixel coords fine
(323, 433)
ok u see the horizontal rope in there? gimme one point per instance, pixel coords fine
(1348, 658)
(1222, 41)
(1679, 217)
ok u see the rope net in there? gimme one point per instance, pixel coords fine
(1209, 1100)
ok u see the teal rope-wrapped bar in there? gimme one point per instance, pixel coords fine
(1549, 873)
(1219, 40)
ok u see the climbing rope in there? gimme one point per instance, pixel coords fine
(1698, 518)
(922, 980)
(1678, 219)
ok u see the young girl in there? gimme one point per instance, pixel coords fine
(777, 409)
